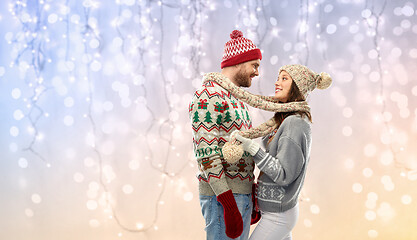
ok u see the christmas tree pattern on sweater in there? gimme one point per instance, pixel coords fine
(215, 113)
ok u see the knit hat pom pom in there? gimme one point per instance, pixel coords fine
(236, 34)
(232, 152)
(324, 81)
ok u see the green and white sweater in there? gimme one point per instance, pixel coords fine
(215, 113)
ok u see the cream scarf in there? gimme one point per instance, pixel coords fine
(232, 150)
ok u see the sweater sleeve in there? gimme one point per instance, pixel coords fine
(288, 163)
(206, 118)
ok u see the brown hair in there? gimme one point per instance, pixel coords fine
(294, 96)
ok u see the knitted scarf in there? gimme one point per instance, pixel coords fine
(232, 150)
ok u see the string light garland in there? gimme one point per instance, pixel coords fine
(320, 27)
(373, 19)
(303, 30)
(196, 23)
(125, 69)
(30, 44)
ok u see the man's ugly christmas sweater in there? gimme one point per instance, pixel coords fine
(215, 113)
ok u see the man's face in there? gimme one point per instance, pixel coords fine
(245, 72)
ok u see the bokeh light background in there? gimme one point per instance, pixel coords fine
(96, 141)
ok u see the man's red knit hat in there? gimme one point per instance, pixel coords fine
(239, 50)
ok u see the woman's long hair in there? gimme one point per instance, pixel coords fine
(294, 96)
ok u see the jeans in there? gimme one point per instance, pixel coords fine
(213, 214)
(276, 226)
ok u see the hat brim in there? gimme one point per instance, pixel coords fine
(241, 58)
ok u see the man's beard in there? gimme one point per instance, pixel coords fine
(243, 79)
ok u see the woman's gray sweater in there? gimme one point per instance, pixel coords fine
(283, 165)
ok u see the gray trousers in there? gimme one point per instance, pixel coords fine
(276, 226)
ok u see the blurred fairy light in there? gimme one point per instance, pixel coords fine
(371, 200)
(406, 199)
(385, 211)
(367, 172)
(370, 215)
(357, 188)
(29, 212)
(349, 163)
(373, 233)
(315, 209)
(308, 223)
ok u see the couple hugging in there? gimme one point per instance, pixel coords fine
(226, 154)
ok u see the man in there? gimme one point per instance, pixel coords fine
(225, 188)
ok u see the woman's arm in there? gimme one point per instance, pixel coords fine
(293, 145)
(286, 166)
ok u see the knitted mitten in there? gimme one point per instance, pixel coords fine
(248, 145)
(232, 218)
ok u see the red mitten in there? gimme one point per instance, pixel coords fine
(256, 214)
(255, 217)
(232, 218)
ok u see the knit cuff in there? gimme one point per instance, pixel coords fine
(260, 154)
(227, 200)
(253, 148)
(244, 57)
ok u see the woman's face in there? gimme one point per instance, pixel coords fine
(283, 86)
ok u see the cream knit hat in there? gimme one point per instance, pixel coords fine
(306, 79)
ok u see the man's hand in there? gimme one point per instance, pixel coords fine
(232, 217)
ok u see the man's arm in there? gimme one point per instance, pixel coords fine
(206, 116)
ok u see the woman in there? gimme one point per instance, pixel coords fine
(283, 164)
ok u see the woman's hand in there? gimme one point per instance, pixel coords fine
(248, 145)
